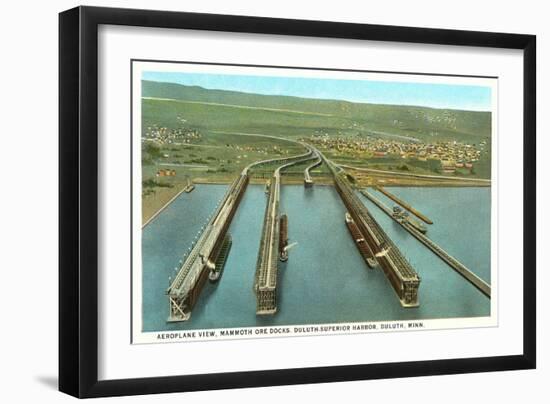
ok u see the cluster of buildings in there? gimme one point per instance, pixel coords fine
(163, 135)
(166, 172)
(453, 155)
(267, 150)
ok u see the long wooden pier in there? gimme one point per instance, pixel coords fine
(471, 277)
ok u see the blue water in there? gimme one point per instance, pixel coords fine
(325, 279)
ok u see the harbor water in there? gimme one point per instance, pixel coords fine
(325, 280)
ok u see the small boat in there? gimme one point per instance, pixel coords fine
(283, 257)
(397, 211)
(190, 186)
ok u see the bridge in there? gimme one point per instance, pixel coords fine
(186, 286)
(265, 284)
(475, 280)
(402, 277)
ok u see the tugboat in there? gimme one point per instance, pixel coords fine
(397, 211)
(361, 243)
(190, 187)
(283, 257)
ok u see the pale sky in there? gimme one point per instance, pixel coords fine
(465, 97)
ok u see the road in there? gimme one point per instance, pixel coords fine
(217, 104)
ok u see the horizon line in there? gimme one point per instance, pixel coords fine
(309, 98)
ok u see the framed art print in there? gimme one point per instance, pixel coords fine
(248, 201)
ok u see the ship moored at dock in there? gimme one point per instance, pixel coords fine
(360, 241)
(283, 238)
(217, 269)
(404, 204)
(404, 216)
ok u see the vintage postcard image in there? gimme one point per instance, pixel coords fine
(285, 202)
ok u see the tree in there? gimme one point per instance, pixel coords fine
(152, 150)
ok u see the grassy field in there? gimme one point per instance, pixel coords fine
(346, 117)
(214, 158)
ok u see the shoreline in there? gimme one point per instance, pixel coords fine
(285, 180)
(325, 181)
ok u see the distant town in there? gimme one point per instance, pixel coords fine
(452, 155)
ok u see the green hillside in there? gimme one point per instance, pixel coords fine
(294, 116)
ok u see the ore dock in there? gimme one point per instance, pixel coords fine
(265, 284)
(402, 277)
(185, 289)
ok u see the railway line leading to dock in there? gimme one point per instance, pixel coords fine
(308, 182)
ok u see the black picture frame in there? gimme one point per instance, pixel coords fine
(78, 200)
